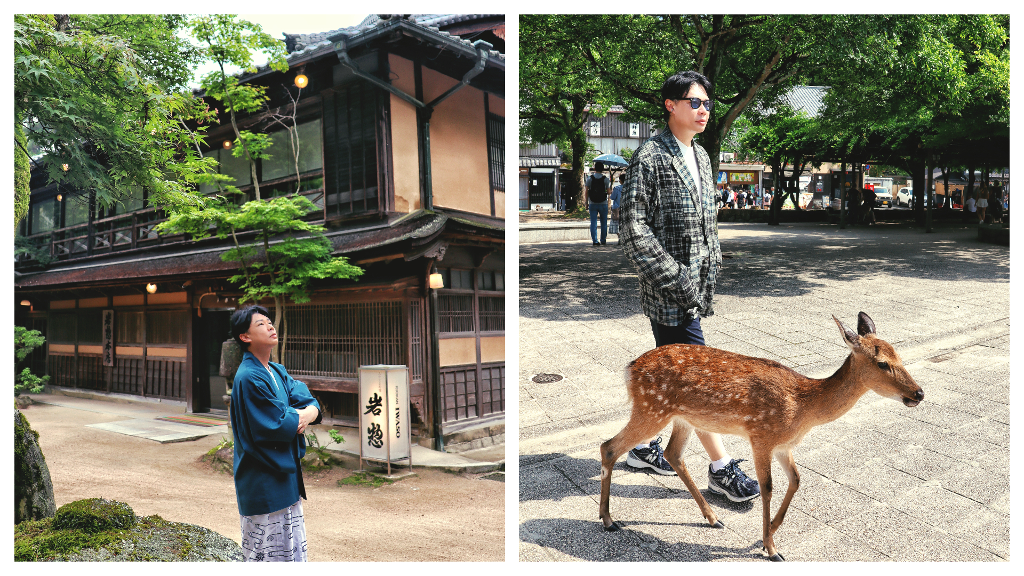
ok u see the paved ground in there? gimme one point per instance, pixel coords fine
(882, 483)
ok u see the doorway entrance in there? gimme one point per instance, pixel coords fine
(212, 329)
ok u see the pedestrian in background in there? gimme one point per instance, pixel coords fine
(616, 197)
(982, 203)
(996, 206)
(970, 205)
(670, 234)
(597, 185)
(270, 412)
(853, 197)
(869, 197)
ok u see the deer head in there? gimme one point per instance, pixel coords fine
(878, 364)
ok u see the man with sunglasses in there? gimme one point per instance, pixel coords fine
(668, 231)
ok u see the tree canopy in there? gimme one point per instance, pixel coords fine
(902, 88)
(103, 96)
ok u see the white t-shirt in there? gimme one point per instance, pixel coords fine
(690, 157)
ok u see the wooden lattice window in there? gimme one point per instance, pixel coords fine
(350, 125)
(496, 150)
(455, 312)
(167, 327)
(334, 340)
(129, 327)
(63, 327)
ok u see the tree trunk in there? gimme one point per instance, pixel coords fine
(969, 190)
(574, 188)
(779, 197)
(919, 175)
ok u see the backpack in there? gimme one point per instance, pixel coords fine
(598, 188)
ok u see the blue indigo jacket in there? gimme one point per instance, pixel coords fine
(264, 420)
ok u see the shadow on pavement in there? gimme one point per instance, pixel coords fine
(587, 540)
(573, 280)
(584, 476)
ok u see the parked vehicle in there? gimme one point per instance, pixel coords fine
(883, 197)
(904, 197)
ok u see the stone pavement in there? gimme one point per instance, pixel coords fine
(882, 483)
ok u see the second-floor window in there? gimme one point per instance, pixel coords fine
(277, 174)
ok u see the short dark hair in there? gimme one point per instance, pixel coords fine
(242, 319)
(677, 86)
(599, 166)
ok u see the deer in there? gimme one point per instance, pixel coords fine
(771, 405)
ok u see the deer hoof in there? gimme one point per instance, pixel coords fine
(776, 557)
(718, 524)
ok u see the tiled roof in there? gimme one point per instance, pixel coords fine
(301, 46)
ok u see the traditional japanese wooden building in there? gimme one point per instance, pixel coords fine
(402, 129)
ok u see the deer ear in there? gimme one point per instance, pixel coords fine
(851, 339)
(865, 325)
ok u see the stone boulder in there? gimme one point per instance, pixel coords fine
(99, 530)
(33, 490)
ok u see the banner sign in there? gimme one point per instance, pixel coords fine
(742, 177)
(108, 337)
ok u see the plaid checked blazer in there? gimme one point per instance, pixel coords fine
(670, 232)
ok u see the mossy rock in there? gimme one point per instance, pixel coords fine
(33, 490)
(126, 538)
(94, 515)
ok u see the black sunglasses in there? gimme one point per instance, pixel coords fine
(696, 102)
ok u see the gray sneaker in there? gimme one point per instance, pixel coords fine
(651, 457)
(732, 483)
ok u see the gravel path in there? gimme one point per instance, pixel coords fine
(433, 516)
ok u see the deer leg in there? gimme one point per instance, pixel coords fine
(763, 467)
(640, 427)
(785, 458)
(674, 455)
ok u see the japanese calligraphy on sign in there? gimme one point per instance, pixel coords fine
(108, 337)
(373, 407)
(375, 435)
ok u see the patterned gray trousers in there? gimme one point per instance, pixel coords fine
(276, 537)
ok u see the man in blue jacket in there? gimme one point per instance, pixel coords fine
(269, 415)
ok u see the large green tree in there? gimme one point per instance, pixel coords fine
(921, 90)
(102, 97)
(558, 90)
(279, 254)
(745, 57)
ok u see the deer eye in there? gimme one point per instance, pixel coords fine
(883, 365)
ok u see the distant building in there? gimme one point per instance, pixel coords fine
(542, 171)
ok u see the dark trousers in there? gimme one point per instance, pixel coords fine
(682, 334)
